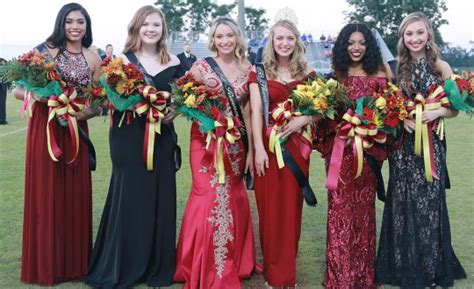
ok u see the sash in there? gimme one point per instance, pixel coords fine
(263, 87)
(290, 162)
(234, 104)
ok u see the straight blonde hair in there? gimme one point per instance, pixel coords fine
(298, 64)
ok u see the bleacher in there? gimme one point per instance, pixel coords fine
(315, 51)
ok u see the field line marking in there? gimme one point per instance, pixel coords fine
(13, 132)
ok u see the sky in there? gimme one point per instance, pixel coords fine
(26, 23)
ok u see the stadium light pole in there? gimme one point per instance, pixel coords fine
(241, 15)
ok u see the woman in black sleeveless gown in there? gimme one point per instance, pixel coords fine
(136, 238)
(415, 248)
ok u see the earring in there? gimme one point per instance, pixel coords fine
(428, 47)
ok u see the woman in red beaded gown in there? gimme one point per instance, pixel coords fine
(278, 195)
(351, 233)
(57, 228)
(216, 244)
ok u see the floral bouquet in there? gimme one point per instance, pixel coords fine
(96, 94)
(374, 118)
(210, 109)
(36, 74)
(320, 97)
(122, 83)
(460, 92)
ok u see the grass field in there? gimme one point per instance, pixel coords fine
(311, 259)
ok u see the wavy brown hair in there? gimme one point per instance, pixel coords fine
(134, 42)
(298, 64)
(240, 46)
(405, 59)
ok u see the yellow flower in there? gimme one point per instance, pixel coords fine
(393, 86)
(188, 86)
(190, 100)
(380, 103)
(114, 67)
(304, 91)
(377, 120)
(331, 83)
(316, 85)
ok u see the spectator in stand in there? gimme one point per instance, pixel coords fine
(186, 57)
(109, 52)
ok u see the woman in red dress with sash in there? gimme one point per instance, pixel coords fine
(351, 234)
(279, 197)
(216, 245)
(57, 227)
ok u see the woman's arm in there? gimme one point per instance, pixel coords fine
(248, 125)
(261, 157)
(431, 115)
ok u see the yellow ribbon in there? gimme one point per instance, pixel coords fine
(155, 107)
(63, 105)
(422, 129)
(281, 115)
(228, 126)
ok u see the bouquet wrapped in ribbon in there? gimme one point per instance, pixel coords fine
(317, 97)
(320, 97)
(460, 92)
(36, 74)
(122, 83)
(374, 118)
(437, 98)
(210, 109)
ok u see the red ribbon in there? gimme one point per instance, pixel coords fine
(65, 107)
(351, 130)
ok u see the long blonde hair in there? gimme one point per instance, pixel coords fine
(134, 42)
(405, 59)
(240, 46)
(298, 64)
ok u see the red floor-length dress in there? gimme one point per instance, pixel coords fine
(57, 227)
(280, 201)
(216, 242)
(351, 233)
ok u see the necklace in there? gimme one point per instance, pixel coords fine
(147, 56)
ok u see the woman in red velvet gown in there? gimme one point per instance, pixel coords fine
(351, 233)
(279, 197)
(216, 244)
(57, 228)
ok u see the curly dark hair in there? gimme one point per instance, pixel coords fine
(371, 62)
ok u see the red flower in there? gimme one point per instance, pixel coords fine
(215, 113)
(463, 85)
(96, 91)
(113, 79)
(224, 101)
(392, 119)
(368, 114)
(201, 108)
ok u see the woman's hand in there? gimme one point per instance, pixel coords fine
(261, 162)
(432, 115)
(409, 125)
(170, 115)
(294, 125)
(249, 163)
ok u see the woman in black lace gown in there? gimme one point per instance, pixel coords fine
(415, 248)
(137, 234)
